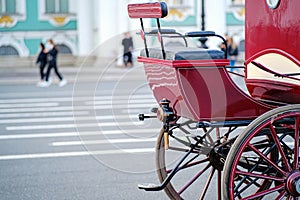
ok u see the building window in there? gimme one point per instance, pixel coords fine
(64, 49)
(57, 6)
(8, 50)
(57, 12)
(8, 7)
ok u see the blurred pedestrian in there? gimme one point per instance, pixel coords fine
(52, 64)
(128, 47)
(232, 51)
(222, 46)
(42, 61)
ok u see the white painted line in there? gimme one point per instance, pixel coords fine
(42, 135)
(66, 108)
(61, 108)
(131, 131)
(140, 110)
(107, 141)
(64, 119)
(78, 134)
(42, 114)
(79, 125)
(126, 101)
(113, 106)
(28, 105)
(79, 92)
(77, 98)
(75, 154)
(36, 100)
(33, 120)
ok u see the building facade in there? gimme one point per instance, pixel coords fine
(80, 26)
(26, 23)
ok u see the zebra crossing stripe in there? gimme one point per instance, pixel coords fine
(67, 108)
(107, 141)
(42, 114)
(80, 98)
(78, 125)
(76, 154)
(62, 119)
(76, 134)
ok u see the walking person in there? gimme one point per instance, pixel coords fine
(232, 51)
(128, 47)
(42, 61)
(52, 64)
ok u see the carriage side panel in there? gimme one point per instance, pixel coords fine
(200, 90)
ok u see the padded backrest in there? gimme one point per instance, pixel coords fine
(148, 10)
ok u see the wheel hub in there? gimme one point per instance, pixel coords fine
(217, 159)
(218, 154)
(293, 183)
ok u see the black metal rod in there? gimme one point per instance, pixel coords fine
(223, 124)
(144, 37)
(169, 177)
(202, 16)
(226, 45)
(161, 39)
(172, 173)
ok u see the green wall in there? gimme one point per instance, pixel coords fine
(33, 24)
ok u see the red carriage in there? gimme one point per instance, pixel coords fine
(215, 135)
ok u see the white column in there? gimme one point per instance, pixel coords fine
(215, 18)
(85, 27)
(123, 19)
(108, 11)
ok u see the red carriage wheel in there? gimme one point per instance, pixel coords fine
(263, 163)
(196, 177)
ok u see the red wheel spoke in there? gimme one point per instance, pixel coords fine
(296, 146)
(219, 184)
(277, 142)
(265, 192)
(193, 179)
(267, 159)
(190, 164)
(260, 176)
(289, 197)
(178, 149)
(194, 163)
(209, 178)
(281, 195)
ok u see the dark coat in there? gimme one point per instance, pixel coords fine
(42, 58)
(52, 56)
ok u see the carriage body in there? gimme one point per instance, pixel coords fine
(205, 91)
(201, 90)
(272, 39)
(202, 109)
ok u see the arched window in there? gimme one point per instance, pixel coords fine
(64, 49)
(7, 50)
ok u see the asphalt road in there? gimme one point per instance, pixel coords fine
(81, 141)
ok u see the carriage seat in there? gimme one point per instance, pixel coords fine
(184, 53)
